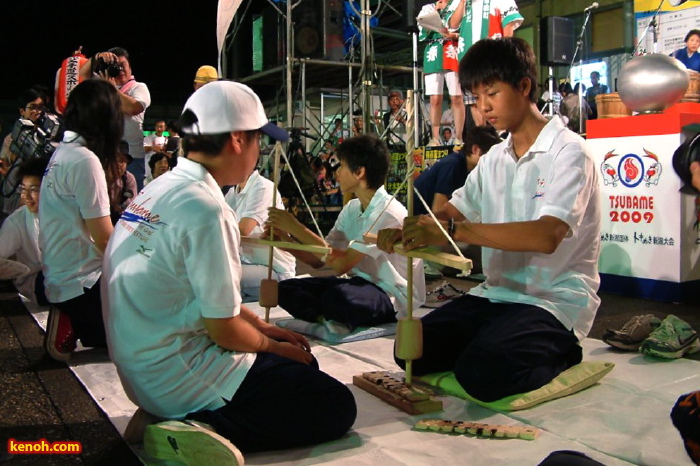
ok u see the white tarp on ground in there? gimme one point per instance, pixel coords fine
(622, 420)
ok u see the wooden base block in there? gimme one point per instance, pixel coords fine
(411, 400)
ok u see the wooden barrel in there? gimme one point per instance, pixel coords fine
(610, 106)
(693, 92)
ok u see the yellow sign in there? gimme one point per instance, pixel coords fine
(669, 5)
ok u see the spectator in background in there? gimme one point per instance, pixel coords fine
(172, 146)
(689, 55)
(31, 103)
(574, 108)
(447, 138)
(205, 74)
(19, 234)
(135, 99)
(596, 89)
(74, 215)
(395, 121)
(154, 142)
(159, 164)
(122, 189)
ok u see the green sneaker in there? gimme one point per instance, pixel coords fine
(671, 340)
(189, 443)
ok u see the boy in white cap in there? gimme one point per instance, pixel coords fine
(184, 346)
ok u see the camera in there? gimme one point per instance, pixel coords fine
(36, 140)
(112, 69)
(687, 153)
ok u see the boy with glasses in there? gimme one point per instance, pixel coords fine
(19, 235)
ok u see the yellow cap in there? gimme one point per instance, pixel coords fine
(206, 74)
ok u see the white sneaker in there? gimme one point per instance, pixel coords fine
(434, 142)
(189, 443)
(458, 142)
(337, 328)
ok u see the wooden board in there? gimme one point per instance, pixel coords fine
(424, 402)
(443, 258)
(287, 245)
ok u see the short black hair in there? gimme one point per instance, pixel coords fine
(509, 59)
(120, 52)
(29, 95)
(367, 151)
(155, 158)
(483, 136)
(566, 87)
(692, 32)
(34, 166)
(598, 74)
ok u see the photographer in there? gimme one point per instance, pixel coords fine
(31, 105)
(114, 67)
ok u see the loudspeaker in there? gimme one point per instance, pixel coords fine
(317, 29)
(556, 41)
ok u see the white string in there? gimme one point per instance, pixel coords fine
(442, 229)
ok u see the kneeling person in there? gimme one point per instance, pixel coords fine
(377, 290)
(183, 344)
(534, 206)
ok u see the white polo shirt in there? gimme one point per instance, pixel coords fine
(19, 236)
(252, 202)
(171, 262)
(73, 189)
(133, 124)
(387, 271)
(556, 177)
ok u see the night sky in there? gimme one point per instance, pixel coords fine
(167, 41)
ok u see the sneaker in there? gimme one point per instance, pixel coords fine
(430, 272)
(633, 333)
(458, 142)
(60, 340)
(671, 340)
(189, 443)
(442, 294)
(434, 142)
(137, 425)
(337, 328)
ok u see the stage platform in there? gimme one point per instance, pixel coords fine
(622, 420)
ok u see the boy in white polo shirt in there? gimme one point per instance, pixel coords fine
(377, 290)
(533, 204)
(184, 346)
(250, 201)
(19, 234)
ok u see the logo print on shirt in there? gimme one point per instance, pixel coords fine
(137, 213)
(143, 250)
(539, 192)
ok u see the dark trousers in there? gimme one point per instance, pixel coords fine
(353, 301)
(283, 404)
(85, 312)
(495, 349)
(569, 458)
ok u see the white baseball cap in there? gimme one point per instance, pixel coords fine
(224, 106)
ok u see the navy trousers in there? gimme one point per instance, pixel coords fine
(495, 349)
(353, 301)
(85, 312)
(283, 404)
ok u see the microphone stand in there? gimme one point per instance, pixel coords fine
(579, 44)
(653, 24)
